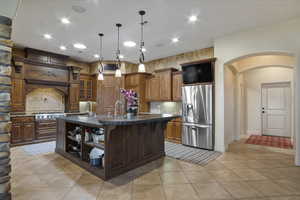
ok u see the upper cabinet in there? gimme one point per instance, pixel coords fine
(176, 86)
(88, 86)
(159, 87)
(108, 91)
(137, 83)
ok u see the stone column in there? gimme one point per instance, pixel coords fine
(5, 90)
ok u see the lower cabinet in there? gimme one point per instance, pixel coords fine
(22, 130)
(173, 131)
(26, 130)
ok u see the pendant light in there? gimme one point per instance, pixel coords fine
(141, 67)
(100, 66)
(118, 71)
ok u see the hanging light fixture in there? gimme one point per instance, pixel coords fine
(100, 66)
(118, 53)
(141, 67)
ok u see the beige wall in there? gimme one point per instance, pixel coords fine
(281, 37)
(126, 67)
(175, 61)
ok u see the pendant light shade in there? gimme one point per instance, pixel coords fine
(100, 77)
(100, 66)
(118, 53)
(142, 67)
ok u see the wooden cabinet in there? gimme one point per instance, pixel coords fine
(45, 129)
(152, 89)
(137, 83)
(173, 131)
(23, 130)
(109, 92)
(87, 88)
(176, 86)
(18, 95)
(73, 98)
(159, 86)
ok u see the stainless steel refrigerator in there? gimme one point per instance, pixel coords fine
(197, 112)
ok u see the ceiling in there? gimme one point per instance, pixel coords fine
(167, 19)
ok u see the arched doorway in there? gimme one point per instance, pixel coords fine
(244, 78)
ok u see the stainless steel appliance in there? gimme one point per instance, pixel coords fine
(197, 112)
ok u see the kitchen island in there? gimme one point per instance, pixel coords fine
(127, 142)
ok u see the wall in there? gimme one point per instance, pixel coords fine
(230, 103)
(85, 67)
(175, 61)
(253, 80)
(126, 67)
(281, 37)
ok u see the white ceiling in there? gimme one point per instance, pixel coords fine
(167, 19)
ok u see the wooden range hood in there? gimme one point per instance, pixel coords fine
(40, 69)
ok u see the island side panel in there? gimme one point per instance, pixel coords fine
(131, 146)
(61, 135)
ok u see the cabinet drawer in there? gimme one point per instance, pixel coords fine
(22, 119)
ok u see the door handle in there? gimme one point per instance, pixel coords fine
(263, 111)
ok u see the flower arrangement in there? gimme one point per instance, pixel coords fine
(132, 100)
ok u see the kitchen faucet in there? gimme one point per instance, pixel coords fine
(119, 108)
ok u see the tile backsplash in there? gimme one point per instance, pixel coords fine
(165, 107)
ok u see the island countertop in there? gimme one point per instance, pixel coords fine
(111, 120)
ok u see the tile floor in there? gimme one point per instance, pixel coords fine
(244, 172)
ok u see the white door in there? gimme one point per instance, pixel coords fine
(276, 109)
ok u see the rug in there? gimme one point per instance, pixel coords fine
(271, 141)
(190, 154)
(40, 148)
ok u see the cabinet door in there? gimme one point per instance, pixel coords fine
(28, 131)
(177, 127)
(16, 133)
(109, 93)
(89, 89)
(165, 83)
(152, 91)
(168, 131)
(176, 86)
(17, 95)
(82, 95)
(74, 97)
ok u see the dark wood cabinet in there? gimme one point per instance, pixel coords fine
(45, 129)
(176, 86)
(174, 130)
(109, 92)
(23, 130)
(137, 83)
(18, 95)
(87, 87)
(16, 133)
(73, 98)
(29, 131)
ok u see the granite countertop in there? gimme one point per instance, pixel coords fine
(105, 120)
(29, 114)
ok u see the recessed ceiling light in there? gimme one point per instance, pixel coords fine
(121, 56)
(174, 40)
(129, 44)
(47, 36)
(193, 18)
(144, 49)
(63, 48)
(65, 20)
(96, 56)
(79, 46)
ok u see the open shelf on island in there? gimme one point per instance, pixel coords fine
(97, 145)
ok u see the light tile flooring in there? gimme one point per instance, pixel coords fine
(244, 172)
